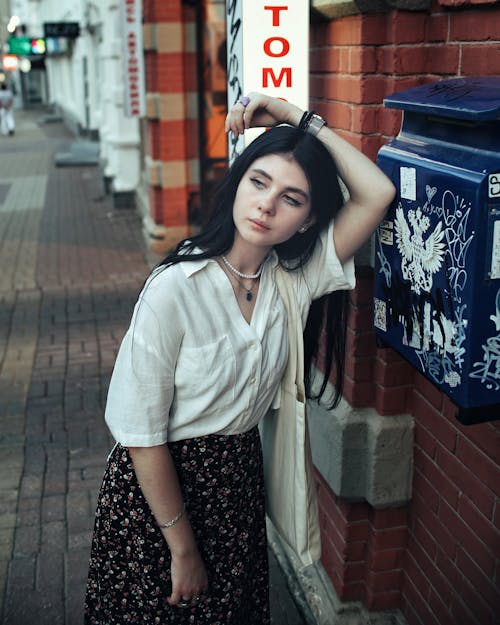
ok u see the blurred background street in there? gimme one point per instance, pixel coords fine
(71, 267)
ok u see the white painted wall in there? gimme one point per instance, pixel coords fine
(87, 84)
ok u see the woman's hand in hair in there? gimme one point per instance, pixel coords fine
(261, 111)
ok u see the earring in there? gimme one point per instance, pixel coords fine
(303, 229)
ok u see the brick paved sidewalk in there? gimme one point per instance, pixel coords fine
(71, 268)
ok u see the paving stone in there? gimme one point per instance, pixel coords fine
(28, 512)
(77, 507)
(50, 572)
(11, 427)
(31, 486)
(27, 541)
(80, 540)
(22, 572)
(53, 508)
(35, 607)
(6, 541)
(4, 567)
(76, 578)
(34, 460)
(53, 536)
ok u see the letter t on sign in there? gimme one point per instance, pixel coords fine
(276, 13)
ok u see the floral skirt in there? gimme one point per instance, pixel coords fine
(129, 574)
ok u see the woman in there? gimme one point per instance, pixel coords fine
(180, 525)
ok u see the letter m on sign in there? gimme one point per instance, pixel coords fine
(268, 73)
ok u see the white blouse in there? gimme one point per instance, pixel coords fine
(190, 364)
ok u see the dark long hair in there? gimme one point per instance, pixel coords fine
(328, 313)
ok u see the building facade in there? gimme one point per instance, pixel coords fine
(85, 67)
(409, 497)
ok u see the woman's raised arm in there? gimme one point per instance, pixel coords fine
(370, 193)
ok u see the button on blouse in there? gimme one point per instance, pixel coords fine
(190, 364)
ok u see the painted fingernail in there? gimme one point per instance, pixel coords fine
(245, 100)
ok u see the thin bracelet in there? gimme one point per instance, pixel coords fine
(174, 520)
(304, 122)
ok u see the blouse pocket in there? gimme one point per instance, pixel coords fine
(206, 374)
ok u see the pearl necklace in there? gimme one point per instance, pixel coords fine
(246, 276)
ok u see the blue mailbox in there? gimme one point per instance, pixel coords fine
(437, 265)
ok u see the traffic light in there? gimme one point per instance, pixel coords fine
(26, 46)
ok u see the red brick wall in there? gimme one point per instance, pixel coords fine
(452, 561)
(438, 559)
(363, 549)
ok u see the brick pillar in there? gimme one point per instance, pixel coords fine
(359, 387)
(171, 140)
(363, 546)
(363, 549)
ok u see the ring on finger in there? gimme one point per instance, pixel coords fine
(184, 604)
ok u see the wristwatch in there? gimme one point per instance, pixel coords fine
(315, 124)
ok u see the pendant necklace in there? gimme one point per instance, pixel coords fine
(246, 276)
(248, 293)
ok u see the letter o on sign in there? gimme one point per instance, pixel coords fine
(284, 44)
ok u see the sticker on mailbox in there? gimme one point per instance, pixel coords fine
(386, 236)
(408, 183)
(495, 252)
(494, 186)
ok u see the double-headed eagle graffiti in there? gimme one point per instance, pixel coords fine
(420, 258)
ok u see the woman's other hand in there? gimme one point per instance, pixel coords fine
(189, 579)
(159, 483)
(261, 111)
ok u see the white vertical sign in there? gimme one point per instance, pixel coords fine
(267, 51)
(133, 57)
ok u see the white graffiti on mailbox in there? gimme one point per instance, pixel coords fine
(420, 257)
(488, 371)
(429, 307)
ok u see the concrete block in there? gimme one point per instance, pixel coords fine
(409, 5)
(362, 455)
(333, 9)
(389, 472)
(77, 154)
